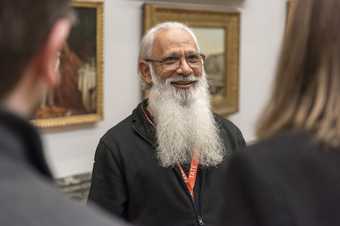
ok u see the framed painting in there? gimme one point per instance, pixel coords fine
(218, 35)
(78, 99)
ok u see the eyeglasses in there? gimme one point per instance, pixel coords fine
(194, 60)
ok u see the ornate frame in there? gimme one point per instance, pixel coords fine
(98, 115)
(230, 22)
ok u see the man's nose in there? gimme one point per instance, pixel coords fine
(184, 68)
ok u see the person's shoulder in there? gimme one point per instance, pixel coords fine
(284, 141)
(121, 126)
(225, 123)
(125, 127)
(284, 147)
(120, 130)
(26, 194)
(21, 187)
(230, 130)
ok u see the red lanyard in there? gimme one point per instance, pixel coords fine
(146, 114)
(189, 180)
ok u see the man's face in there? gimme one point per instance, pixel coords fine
(180, 91)
(173, 44)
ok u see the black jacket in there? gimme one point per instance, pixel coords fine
(289, 179)
(27, 196)
(128, 180)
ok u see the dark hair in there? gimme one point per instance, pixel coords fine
(24, 28)
(306, 92)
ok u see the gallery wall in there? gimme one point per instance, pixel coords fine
(71, 150)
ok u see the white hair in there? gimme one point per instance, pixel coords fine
(149, 38)
(184, 122)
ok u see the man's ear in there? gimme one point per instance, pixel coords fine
(47, 59)
(145, 72)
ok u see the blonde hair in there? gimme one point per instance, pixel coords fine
(306, 94)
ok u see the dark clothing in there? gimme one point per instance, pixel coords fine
(27, 197)
(129, 181)
(289, 179)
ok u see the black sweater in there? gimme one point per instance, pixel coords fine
(128, 180)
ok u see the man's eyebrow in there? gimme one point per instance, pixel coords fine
(191, 52)
(172, 54)
(176, 54)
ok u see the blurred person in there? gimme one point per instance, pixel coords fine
(292, 177)
(163, 164)
(32, 32)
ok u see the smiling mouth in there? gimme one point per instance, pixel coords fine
(183, 84)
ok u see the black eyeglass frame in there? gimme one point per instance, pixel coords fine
(163, 61)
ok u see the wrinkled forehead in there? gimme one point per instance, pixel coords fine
(172, 41)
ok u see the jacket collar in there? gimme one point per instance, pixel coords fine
(21, 141)
(141, 125)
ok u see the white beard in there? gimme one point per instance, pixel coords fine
(184, 122)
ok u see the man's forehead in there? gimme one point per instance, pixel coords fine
(173, 40)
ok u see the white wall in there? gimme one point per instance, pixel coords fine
(262, 29)
(70, 151)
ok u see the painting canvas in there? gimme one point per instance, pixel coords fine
(211, 42)
(218, 37)
(78, 98)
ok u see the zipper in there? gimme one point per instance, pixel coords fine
(198, 216)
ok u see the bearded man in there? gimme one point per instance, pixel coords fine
(164, 164)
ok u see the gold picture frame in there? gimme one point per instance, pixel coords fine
(79, 97)
(226, 26)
